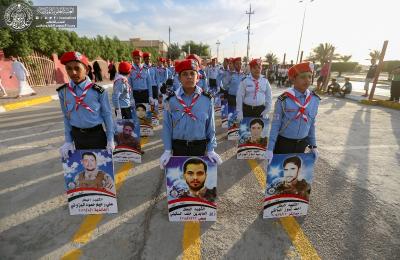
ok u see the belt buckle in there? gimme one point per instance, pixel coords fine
(187, 143)
(82, 130)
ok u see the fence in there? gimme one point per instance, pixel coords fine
(41, 69)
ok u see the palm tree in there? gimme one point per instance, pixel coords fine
(323, 52)
(345, 58)
(271, 58)
(375, 54)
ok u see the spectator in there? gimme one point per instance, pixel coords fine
(347, 87)
(322, 76)
(370, 76)
(333, 88)
(112, 70)
(2, 89)
(21, 73)
(97, 72)
(395, 86)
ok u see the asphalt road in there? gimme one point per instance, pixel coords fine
(354, 211)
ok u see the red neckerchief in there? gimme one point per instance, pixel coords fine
(257, 87)
(302, 108)
(79, 100)
(138, 74)
(188, 109)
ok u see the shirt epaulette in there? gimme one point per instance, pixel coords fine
(208, 94)
(98, 88)
(313, 92)
(170, 95)
(282, 97)
(61, 87)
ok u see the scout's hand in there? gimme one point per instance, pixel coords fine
(164, 159)
(119, 115)
(268, 156)
(151, 101)
(110, 146)
(315, 152)
(214, 157)
(65, 148)
(239, 116)
(264, 114)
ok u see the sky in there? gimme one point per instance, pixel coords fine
(354, 27)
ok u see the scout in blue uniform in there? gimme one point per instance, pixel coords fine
(212, 75)
(202, 80)
(152, 71)
(189, 127)
(293, 124)
(85, 108)
(232, 80)
(122, 92)
(254, 97)
(162, 73)
(140, 80)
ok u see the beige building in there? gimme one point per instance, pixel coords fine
(160, 46)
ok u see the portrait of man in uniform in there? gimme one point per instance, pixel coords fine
(256, 128)
(141, 112)
(126, 137)
(92, 177)
(195, 176)
(291, 184)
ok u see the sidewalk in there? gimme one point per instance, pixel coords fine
(43, 95)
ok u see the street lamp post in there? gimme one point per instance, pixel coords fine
(302, 27)
(218, 43)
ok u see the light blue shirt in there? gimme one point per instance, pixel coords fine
(139, 79)
(162, 74)
(203, 80)
(122, 96)
(152, 72)
(179, 125)
(177, 83)
(247, 93)
(231, 82)
(284, 121)
(83, 118)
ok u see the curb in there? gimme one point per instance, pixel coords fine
(382, 103)
(34, 101)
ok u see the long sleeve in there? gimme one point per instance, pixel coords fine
(210, 129)
(167, 129)
(107, 115)
(276, 125)
(311, 134)
(239, 97)
(67, 125)
(268, 97)
(149, 86)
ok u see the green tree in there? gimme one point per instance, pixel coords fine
(345, 58)
(271, 58)
(343, 67)
(389, 66)
(323, 52)
(196, 48)
(375, 54)
(174, 51)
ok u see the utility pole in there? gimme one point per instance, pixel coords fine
(378, 70)
(217, 43)
(169, 41)
(248, 34)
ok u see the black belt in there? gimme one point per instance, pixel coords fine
(254, 107)
(140, 90)
(88, 130)
(292, 140)
(188, 143)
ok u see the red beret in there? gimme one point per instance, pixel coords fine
(167, 60)
(146, 54)
(137, 53)
(74, 56)
(255, 62)
(161, 59)
(226, 59)
(230, 59)
(237, 59)
(124, 67)
(188, 64)
(299, 68)
(194, 57)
